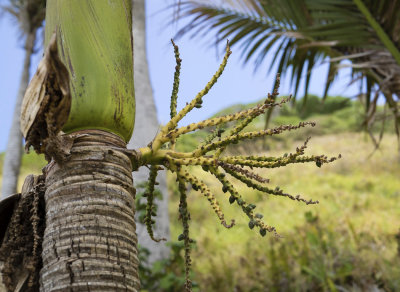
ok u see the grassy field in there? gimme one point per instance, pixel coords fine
(350, 241)
(345, 243)
(31, 164)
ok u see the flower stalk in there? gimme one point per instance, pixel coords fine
(209, 155)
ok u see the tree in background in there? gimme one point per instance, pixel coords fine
(30, 15)
(146, 127)
(303, 33)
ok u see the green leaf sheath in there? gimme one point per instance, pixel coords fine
(95, 43)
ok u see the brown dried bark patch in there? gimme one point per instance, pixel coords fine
(21, 246)
(46, 106)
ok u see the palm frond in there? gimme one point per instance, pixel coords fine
(308, 32)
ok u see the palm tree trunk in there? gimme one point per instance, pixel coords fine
(146, 127)
(90, 242)
(12, 160)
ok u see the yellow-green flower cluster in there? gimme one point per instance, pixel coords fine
(208, 155)
(184, 216)
(151, 208)
(198, 185)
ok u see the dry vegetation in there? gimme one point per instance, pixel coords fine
(346, 243)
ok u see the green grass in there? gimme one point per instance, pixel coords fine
(32, 163)
(348, 240)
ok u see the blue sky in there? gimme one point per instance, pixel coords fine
(239, 84)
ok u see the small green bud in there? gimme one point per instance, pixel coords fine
(285, 155)
(181, 237)
(205, 168)
(240, 202)
(318, 163)
(251, 206)
(232, 199)
(195, 187)
(225, 189)
(263, 232)
(259, 216)
(251, 224)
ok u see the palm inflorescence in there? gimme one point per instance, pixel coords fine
(210, 156)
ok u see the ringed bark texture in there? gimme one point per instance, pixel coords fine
(90, 242)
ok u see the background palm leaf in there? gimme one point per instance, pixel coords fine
(303, 33)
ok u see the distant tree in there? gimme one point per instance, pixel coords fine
(146, 127)
(29, 15)
(303, 33)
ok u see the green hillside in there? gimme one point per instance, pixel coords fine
(349, 240)
(32, 163)
(335, 115)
